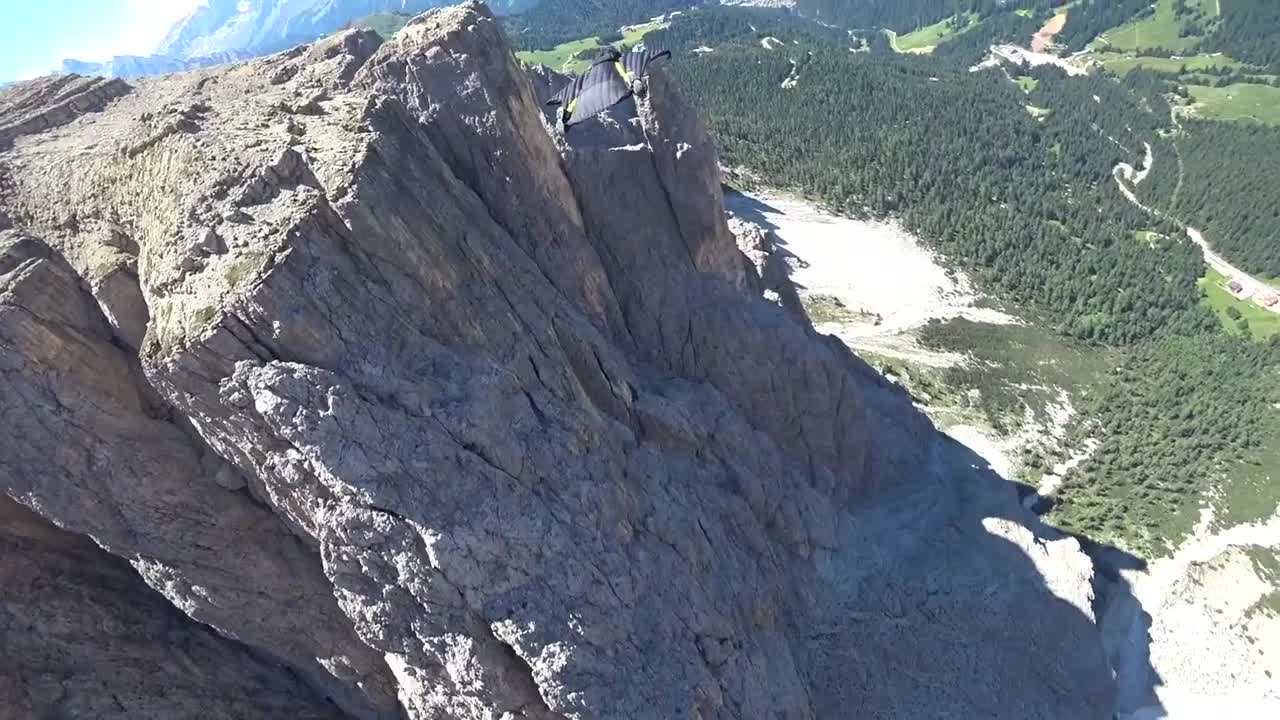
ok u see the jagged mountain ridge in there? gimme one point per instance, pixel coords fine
(135, 66)
(361, 364)
(259, 26)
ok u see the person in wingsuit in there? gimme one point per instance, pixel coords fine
(612, 78)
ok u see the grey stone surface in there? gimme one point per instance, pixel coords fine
(81, 636)
(48, 102)
(424, 398)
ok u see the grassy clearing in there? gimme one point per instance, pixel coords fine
(1122, 63)
(564, 57)
(927, 38)
(1149, 238)
(1027, 83)
(823, 309)
(1161, 30)
(1262, 323)
(1258, 103)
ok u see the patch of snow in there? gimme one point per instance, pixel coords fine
(771, 43)
(703, 49)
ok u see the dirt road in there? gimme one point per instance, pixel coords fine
(1252, 285)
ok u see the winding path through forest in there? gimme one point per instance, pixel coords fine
(1163, 632)
(1125, 171)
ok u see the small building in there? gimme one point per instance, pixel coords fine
(1235, 287)
(1270, 299)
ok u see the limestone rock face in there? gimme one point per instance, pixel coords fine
(770, 264)
(82, 636)
(362, 365)
(52, 101)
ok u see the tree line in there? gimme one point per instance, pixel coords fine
(905, 15)
(1176, 413)
(1249, 31)
(552, 22)
(1028, 204)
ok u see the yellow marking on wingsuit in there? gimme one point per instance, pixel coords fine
(572, 104)
(622, 70)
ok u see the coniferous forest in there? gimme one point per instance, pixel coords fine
(1248, 32)
(1177, 412)
(1231, 190)
(552, 22)
(904, 15)
(1028, 203)
(1013, 183)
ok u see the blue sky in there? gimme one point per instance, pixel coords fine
(35, 35)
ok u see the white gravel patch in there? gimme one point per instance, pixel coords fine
(1199, 601)
(987, 445)
(873, 267)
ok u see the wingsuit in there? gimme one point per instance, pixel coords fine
(612, 78)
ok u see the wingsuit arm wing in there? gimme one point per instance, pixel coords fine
(637, 63)
(602, 87)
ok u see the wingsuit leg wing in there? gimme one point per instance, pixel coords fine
(637, 64)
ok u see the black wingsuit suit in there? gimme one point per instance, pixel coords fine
(612, 78)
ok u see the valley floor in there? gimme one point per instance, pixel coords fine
(881, 291)
(887, 287)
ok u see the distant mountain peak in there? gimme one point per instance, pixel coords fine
(228, 30)
(263, 26)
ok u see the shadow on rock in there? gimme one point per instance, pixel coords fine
(751, 209)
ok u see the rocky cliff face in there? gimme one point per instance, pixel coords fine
(434, 413)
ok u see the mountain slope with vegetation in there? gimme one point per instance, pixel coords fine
(903, 15)
(1028, 203)
(553, 22)
(1248, 32)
